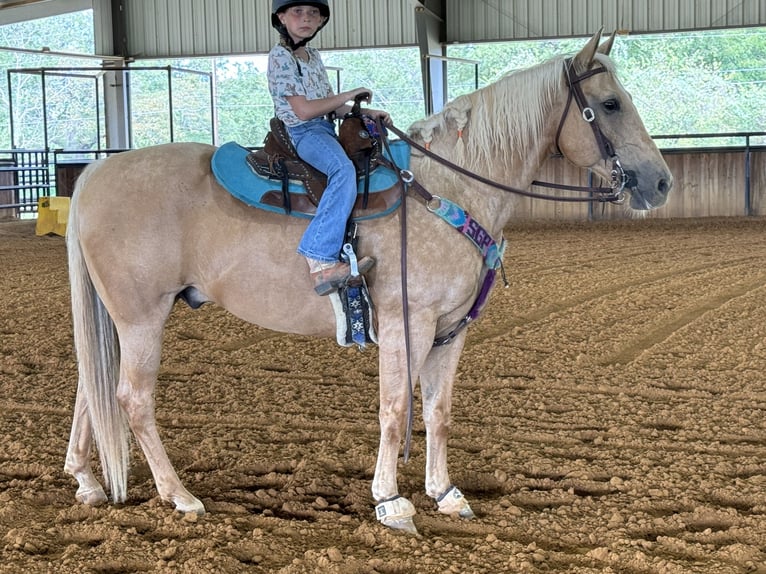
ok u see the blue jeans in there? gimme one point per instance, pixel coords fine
(316, 143)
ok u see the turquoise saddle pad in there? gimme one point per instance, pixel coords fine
(234, 174)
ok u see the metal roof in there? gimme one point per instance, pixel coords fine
(215, 27)
(182, 28)
(485, 20)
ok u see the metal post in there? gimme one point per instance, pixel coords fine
(430, 29)
(748, 198)
(170, 103)
(213, 112)
(45, 108)
(10, 109)
(129, 102)
(98, 114)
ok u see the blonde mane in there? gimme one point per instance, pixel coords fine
(499, 119)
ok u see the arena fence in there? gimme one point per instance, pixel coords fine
(26, 175)
(725, 175)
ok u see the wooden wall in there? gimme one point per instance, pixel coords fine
(707, 183)
(758, 182)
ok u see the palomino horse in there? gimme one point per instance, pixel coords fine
(150, 226)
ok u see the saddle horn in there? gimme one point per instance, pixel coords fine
(356, 108)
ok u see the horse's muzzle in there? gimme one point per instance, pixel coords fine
(648, 192)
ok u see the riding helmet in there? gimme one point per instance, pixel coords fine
(278, 6)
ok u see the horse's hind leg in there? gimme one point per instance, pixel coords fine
(77, 462)
(436, 382)
(140, 351)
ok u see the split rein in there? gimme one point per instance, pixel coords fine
(619, 178)
(612, 194)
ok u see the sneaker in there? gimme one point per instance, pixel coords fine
(337, 275)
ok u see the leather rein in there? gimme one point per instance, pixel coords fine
(612, 194)
(619, 178)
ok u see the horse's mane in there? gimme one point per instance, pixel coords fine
(501, 118)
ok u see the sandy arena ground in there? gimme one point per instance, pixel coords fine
(608, 418)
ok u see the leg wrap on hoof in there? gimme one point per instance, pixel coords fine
(452, 501)
(396, 513)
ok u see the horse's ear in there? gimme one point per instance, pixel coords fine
(606, 47)
(584, 57)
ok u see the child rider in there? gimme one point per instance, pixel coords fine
(303, 99)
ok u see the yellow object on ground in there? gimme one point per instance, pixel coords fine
(52, 215)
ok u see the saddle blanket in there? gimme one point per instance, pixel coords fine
(233, 173)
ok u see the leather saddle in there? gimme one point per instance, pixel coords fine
(278, 160)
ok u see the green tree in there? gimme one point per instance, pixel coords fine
(698, 82)
(712, 82)
(71, 103)
(183, 84)
(243, 102)
(392, 74)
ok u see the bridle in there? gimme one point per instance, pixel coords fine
(619, 178)
(615, 193)
(612, 194)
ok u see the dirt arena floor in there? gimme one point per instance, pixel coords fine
(609, 417)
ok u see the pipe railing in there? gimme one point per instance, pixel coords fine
(28, 174)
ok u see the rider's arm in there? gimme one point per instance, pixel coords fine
(309, 109)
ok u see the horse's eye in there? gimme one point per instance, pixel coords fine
(611, 106)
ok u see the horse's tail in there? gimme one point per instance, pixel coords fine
(98, 358)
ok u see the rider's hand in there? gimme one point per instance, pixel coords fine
(379, 114)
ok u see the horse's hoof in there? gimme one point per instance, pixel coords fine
(396, 513)
(404, 524)
(91, 496)
(453, 502)
(189, 505)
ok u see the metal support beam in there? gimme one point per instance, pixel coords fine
(119, 29)
(429, 19)
(117, 108)
(116, 81)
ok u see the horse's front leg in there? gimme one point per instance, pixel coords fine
(77, 463)
(436, 381)
(393, 510)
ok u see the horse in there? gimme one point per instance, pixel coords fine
(152, 225)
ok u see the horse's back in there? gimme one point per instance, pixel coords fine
(154, 222)
(154, 171)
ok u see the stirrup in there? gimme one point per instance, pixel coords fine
(340, 274)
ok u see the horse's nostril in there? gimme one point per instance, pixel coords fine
(663, 186)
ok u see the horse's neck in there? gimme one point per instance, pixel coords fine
(492, 207)
(503, 132)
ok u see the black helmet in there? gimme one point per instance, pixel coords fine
(278, 6)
